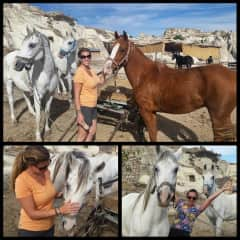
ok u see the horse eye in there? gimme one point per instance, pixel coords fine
(32, 45)
(122, 50)
(156, 169)
(69, 43)
(205, 167)
(175, 170)
(212, 167)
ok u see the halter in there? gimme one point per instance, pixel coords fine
(123, 61)
(67, 53)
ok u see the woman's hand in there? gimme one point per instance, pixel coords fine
(227, 187)
(80, 120)
(70, 208)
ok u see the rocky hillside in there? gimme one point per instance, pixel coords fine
(137, 165)
(226, 40)
(18, 16)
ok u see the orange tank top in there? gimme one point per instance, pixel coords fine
(43, 196)
(89, 93)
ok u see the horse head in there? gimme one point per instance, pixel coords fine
(32, 50)
(69, 46)
(164, 176)
(119, 54)
(208, 178)
(75, 173)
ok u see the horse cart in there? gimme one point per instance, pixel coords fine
(103, 219)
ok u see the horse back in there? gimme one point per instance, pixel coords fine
(184, 90)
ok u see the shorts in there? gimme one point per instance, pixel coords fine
(28, 233)
(174, 232)
(89, 114)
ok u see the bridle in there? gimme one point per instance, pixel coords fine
(67, 53)
(29, 61)
(123, 61)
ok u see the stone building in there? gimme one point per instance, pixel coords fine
(137, 162)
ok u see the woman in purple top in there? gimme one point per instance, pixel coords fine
(188, 211)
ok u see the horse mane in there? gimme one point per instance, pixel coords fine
(84, 170)
(65, 160)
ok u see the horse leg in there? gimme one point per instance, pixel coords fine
(219, 231)
(222, 128)
(9, 87)
(150, 121)
(47, 113)
(30, 108)
(61, 82)
(69, 79)
(37, 105)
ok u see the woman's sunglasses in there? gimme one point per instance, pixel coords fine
(193, 198)
(85, 56)
(44, 167)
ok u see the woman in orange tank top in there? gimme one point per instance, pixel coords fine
(86, 84)
(36, 193)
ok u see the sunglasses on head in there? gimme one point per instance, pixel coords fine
(85, 56)
(190, 197)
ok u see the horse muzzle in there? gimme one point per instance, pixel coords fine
(23, 63)
(165, 194)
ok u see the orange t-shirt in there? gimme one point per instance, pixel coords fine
(43, 196)
(88, 95)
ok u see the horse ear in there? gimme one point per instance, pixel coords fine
(179, 153)
(125, 36)
(116, 35)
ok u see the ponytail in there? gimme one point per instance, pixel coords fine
(19, 166)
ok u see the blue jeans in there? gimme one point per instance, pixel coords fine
(27, 233)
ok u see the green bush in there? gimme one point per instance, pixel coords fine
(178, 36)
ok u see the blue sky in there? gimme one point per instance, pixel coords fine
(229, 153)
(149, 18)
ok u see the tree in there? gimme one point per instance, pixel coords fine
(178, 36)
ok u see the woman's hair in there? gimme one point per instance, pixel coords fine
(31, 155)
(80, 51)
(193, 190)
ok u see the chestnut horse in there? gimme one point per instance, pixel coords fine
(156, 87)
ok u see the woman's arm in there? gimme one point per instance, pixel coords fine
(29, 206)
(212, 197)
(101, 77)
(77, 92)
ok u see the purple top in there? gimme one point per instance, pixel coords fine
(185, 216)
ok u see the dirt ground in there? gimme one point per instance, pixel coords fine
(11, 211)
(202, 226)
(194, 126)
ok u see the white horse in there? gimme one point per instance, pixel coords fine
(146, 213)
(224, 207)
(42, 79)
(66, 63)
(22, 80)
(75, 174)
